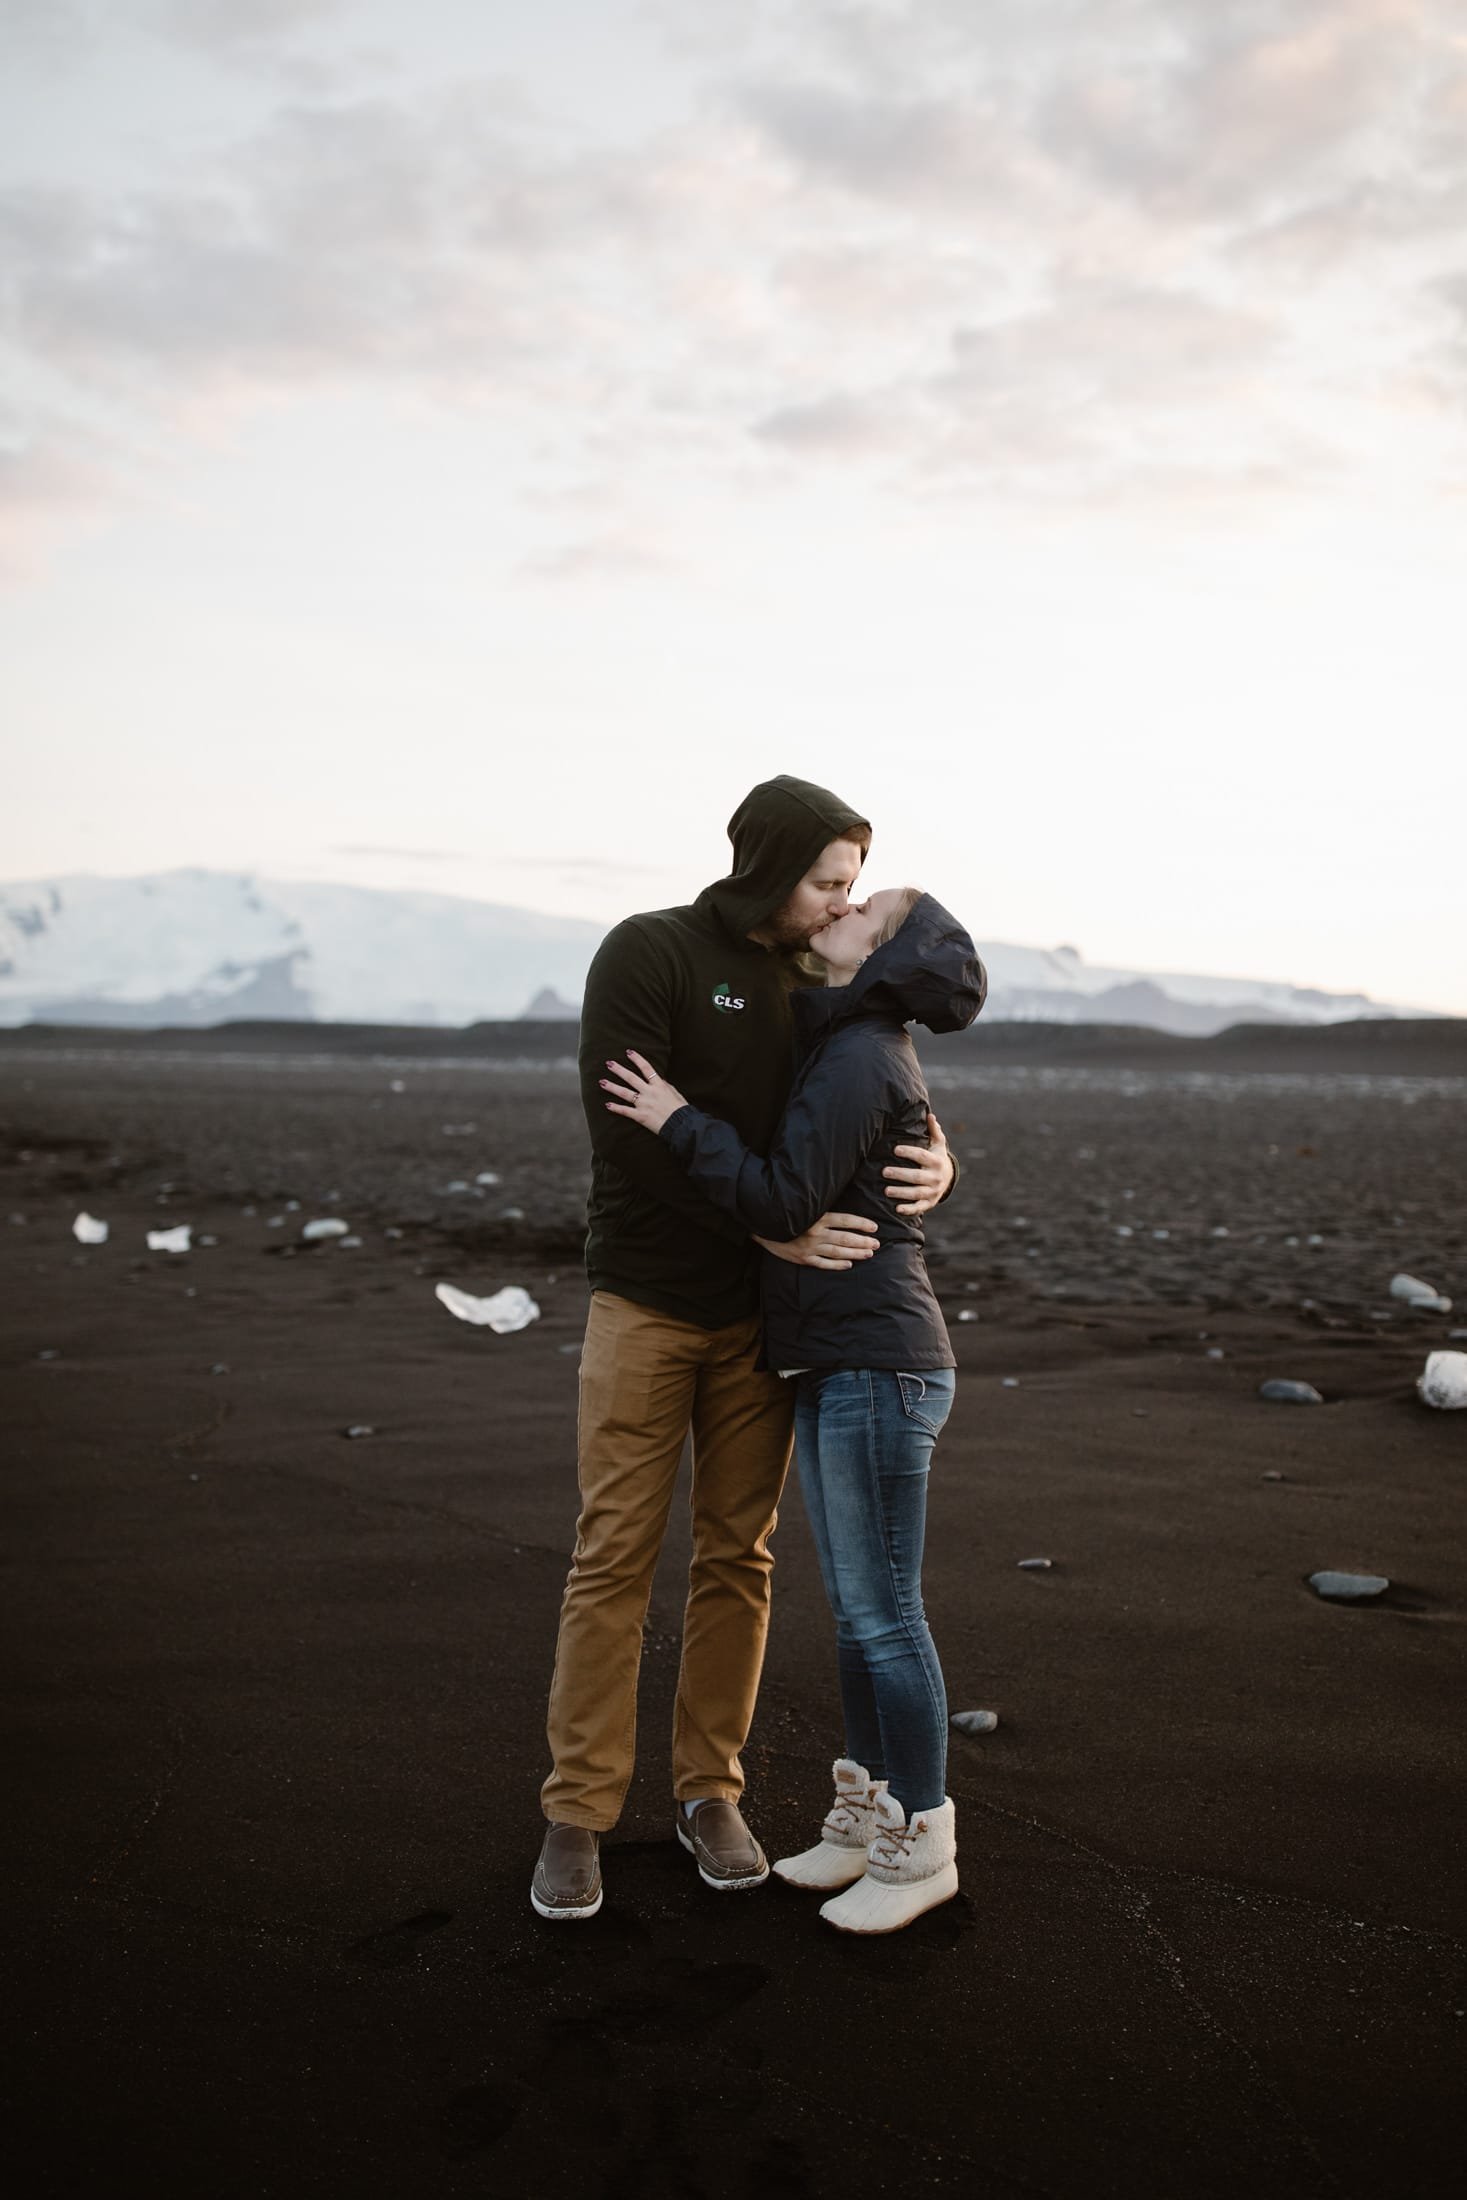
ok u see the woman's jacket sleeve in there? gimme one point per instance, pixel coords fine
(832, 1122)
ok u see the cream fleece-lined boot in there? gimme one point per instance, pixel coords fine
(839, 1856)
(909, 1869)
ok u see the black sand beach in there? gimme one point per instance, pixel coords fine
(277, 1694)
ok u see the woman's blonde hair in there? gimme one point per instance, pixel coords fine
(906, 902)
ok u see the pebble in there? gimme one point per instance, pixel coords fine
(359, 1428)
(349, 1244)
(1141, 1413)
(569, 1348)
(511, 1214)
(50, 1353)
(1272, 1474)
(207, 1240)
(966, 1314)
(327, 1226)
(1443, 1381)
(1216, 1352)
(1348, 1588)
(1035, 1565)
(1279, 1392)
(487, 1176)
(1123, 1229)
(392, 1231)
(1456, 1336)
(1424, 1296)
(220, 1367)
(459, 1184)
(974, 1722)
(1010, 1382)
(1220, 1231)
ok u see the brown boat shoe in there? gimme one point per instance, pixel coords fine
(727, 1855)
(567, 1881)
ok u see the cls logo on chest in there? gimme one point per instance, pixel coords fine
(727, 1000)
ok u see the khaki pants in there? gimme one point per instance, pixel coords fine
(645, 1381)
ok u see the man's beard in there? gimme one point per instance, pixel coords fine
(787, 934)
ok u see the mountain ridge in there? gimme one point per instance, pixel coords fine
(194, 947)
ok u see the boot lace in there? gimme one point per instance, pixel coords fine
(893, 1845)
(846, 1812)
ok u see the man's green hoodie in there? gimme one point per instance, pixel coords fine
(709, 1007)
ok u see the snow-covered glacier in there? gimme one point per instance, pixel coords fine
(202, 947)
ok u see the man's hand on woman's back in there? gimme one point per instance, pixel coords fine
(929, 1176)
(835, 1241)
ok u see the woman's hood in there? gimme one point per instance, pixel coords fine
(928, 973)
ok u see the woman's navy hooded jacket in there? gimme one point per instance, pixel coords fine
(858, 1093)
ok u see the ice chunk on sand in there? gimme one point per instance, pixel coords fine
(329, 1226)
(1340, 1588)
(88, 1230)
(176, 1240)
(507, 1310)
(1443, 1381)
(1419, 1294)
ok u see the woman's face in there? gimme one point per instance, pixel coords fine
(848, 940)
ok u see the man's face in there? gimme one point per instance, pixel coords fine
(823, 894)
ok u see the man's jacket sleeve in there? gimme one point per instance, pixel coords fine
(631, 997)
(831, 1123)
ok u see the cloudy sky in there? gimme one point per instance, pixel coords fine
(462, 443)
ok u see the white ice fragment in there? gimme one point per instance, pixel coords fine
(508, 1310)
(329, 1226)
(974, 1722)
(1221, 1230)
(1412, 1289)
(1443, 1381)
(487, 1176)
(459, 1184)
(176, 1240)
(88, 1230)
(1010, 1382)
(966, 1314)
(349, 1244)
(397, 1085)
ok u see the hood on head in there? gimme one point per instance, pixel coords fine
(777, 832)
(928, 972)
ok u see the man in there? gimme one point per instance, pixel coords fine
(672, 1340)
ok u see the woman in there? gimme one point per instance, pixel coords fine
(868, 1351)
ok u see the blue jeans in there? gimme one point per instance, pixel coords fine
(863, 1440)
